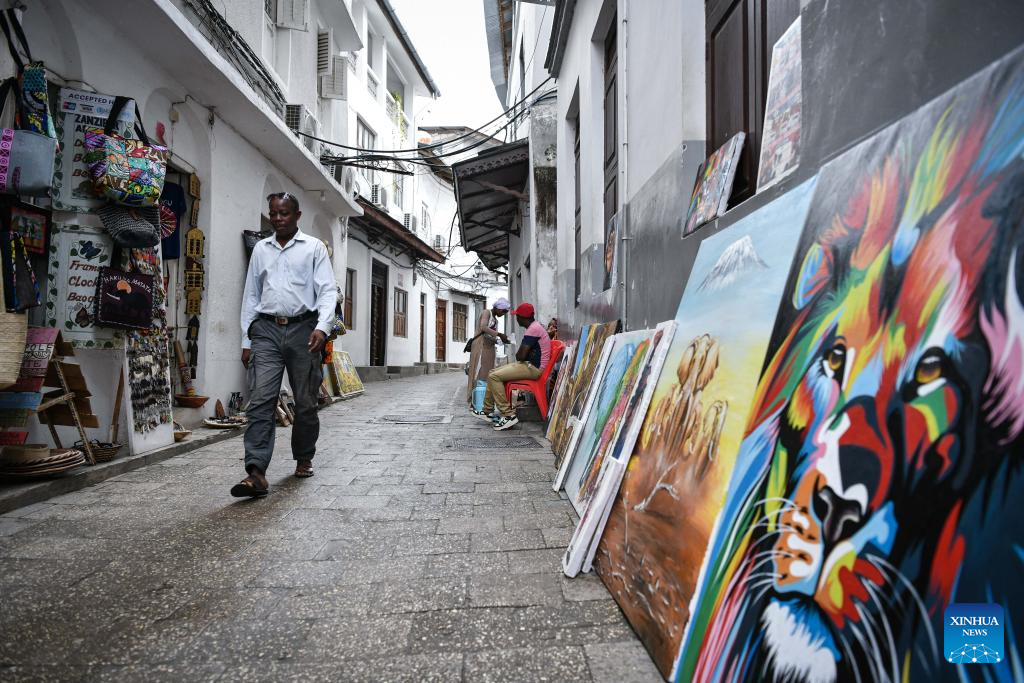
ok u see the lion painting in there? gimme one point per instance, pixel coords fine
(880, 478)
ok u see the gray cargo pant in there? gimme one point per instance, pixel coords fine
(276, 348)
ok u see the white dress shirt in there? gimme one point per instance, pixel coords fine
(289, 281)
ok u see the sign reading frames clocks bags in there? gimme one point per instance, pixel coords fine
(76, 255)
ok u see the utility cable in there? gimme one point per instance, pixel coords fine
(432, 145)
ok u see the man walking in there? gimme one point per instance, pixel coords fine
(287, 313)
(533, 356)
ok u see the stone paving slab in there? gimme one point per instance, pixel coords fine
(403, 559)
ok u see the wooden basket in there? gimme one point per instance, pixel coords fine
(103, 452)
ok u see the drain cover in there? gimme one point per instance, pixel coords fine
(417, 419)
(475, 443)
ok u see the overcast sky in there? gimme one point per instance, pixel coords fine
(449, 37)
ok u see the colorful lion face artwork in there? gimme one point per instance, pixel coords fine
(881, 475)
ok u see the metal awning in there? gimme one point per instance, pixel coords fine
(488, 190)
(377, 223)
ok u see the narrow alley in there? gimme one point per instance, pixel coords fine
(426, 552)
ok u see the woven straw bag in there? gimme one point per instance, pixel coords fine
(13, 330)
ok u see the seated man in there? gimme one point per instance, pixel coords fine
(533, 356)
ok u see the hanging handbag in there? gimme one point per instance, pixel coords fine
(21, 288)
(131, 228)
(250, 238)
(124, 299)
(26, 158)
(124, 170)
(35, 115)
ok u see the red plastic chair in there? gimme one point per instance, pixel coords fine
(538, 387)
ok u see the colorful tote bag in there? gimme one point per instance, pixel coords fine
(26, 158)
(35, 112)
(123, 170)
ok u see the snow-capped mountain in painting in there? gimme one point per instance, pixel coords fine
(739, 258)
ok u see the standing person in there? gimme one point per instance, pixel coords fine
(287, 313)
(533, 356)
(481, 359)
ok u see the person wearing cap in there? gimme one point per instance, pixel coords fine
(482, 355)
(533, 356)
(287, 315)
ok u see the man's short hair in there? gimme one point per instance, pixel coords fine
(285, 197)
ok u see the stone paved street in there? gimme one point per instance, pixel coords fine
(409, 556)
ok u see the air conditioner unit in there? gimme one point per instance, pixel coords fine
(363, 186)
(411, 222)
(346, 177)
(379, 196)
(301, 120)
(334, 86)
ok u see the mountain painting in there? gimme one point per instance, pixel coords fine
(653, 547)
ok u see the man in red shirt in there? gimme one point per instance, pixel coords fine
(533, 356)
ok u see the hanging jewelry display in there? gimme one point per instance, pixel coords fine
(193, 344)
(195, 252)
(149, 353)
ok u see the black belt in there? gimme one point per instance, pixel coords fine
(284, 320)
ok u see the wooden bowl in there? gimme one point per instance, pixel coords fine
(191, 401)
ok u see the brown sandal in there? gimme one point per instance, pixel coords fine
(304, 469)
(249, 488)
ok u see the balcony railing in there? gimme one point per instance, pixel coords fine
(397, 116)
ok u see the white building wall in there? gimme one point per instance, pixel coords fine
(532, 263)
(236, 176)
(655, 93)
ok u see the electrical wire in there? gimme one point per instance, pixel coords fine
(416, 150)
(366, 160)
(377, 154)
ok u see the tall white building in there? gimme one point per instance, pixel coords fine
(407, 303)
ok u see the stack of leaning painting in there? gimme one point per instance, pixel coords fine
(794, 478)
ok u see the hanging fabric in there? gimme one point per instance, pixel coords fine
(21, 287)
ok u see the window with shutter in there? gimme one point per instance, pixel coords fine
(293, 14)
(401, 313)
(334, 86)
(460, 317)
(324, 64)
(350, 299)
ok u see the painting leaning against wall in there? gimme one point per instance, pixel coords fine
(657, 532)
(881, 475)
(570, 403)
(609, 395)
